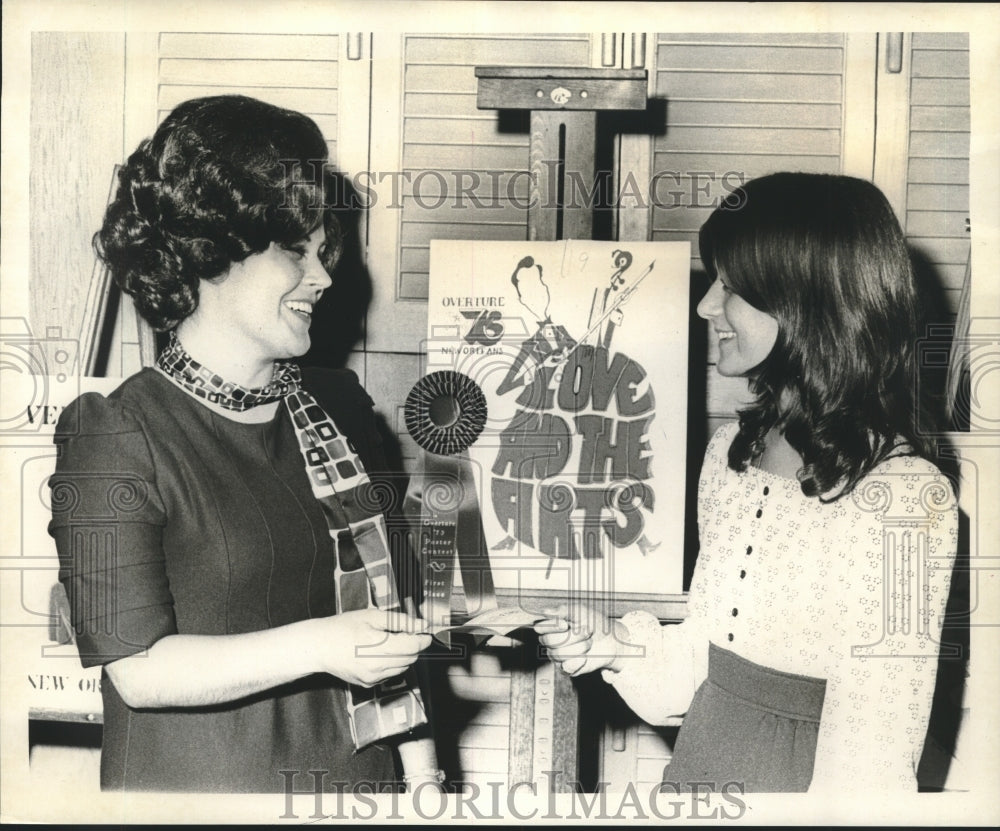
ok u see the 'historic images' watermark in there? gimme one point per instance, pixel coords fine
(523, 801)
(495, 190)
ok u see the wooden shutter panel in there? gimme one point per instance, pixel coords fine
(937, 184)
(444, 136)
(299, 72)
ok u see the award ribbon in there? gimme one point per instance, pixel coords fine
(445, 413)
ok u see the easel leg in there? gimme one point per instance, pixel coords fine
(521, 746)
(565, 731)
(544, 725)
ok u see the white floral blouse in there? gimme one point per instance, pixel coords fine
(852, 592)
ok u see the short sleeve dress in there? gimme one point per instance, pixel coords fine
(808, 656)
(170, 518)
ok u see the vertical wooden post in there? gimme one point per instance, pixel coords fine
(562, 170)
(521, 730)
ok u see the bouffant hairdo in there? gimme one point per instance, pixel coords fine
(222, 178)
(825, 256)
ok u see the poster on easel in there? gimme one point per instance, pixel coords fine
(580, 352)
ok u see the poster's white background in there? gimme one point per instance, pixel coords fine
(26, 800)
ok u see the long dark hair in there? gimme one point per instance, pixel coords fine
(825, 256)
(222, 178)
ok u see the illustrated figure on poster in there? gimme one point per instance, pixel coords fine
(562, 439)
(622, 261)
(550, 342)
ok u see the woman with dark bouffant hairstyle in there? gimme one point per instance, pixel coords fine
(212, 187)
(808, 654)
(220, 517)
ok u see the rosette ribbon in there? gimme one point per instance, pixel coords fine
(445, 413)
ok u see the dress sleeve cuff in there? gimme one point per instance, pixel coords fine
(644, 634)
(657, 676)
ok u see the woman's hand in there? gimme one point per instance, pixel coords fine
(368, 646)
(581, 642)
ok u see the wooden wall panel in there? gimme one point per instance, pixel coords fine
(763, 56)
(300, 72)
(77, 95)
(742, 40)
(388, 377)
(239, 47)
(767, 86)
(937, 181)
(247, 72)
(320, 102)
(508, 50)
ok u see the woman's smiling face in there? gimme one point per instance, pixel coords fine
(746, 334)
(263, 305)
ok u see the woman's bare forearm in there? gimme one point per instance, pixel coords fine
(199, 670)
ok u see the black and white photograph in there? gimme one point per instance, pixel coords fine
(526, 413)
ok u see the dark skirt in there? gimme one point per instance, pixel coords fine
(749, 727)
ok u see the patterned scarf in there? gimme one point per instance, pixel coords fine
(363, 571)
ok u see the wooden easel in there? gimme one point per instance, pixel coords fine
(544, 706)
